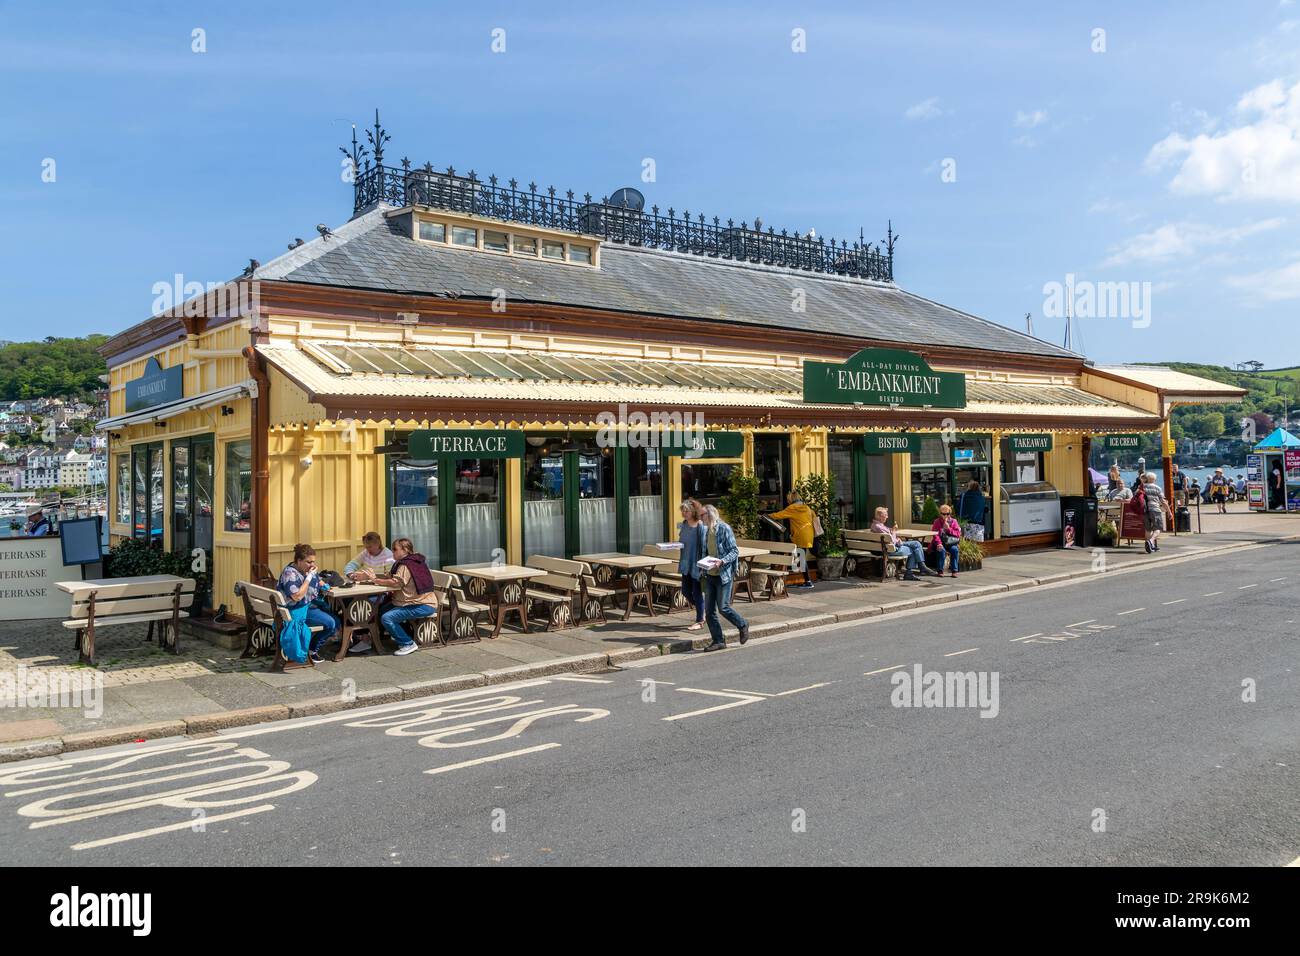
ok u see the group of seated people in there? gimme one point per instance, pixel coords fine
(402, 569)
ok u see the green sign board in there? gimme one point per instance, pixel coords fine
(708, 445)
(1122, 442)
(891, 443)
(465, 443)
(1029, 442)
(157, 386)
(883, 377)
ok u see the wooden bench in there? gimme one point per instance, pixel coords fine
(665, 579)
(595, 593)
(160, 604)
(772, 571)
(265, 614)
(559, 591)
(864, 545)
(464, 610)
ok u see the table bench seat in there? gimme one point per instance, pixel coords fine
(161, 602)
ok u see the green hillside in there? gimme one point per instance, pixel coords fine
(53, 368)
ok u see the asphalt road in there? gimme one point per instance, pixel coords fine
(1121, 736)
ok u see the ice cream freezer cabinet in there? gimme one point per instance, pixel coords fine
(1029, 507)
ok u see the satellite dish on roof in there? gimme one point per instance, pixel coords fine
(629, 197)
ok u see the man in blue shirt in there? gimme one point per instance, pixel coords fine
(38, 526)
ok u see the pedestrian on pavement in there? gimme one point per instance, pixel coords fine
(1277, 487)
(1178, 481)
(911, 550)
(721, 556)
(301, 586)
(1219, 490)
(1155, 511)
(690, 532)
(972, 507)
(802, 533)
(414, 599)
(947, 539)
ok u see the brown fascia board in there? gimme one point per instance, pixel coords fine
(332, 302)
(157, 330)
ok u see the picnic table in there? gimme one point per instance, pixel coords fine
(637, 575)
(160, 600)
(357, 611)
(504, 586)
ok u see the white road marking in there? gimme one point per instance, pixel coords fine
(1081, 623)
(740, 700)
(883, 669)
(969, 650)
(1134, 611)
(492, 757)
(799, 690)
(172, 827)
(583, 680)
(1245, 586)
(1179, 601)
(1026, 637)
(751, 693)
(1212, 594)
(1275, 580)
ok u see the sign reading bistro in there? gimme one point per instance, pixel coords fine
(465, 443)
(890, 443)
(883, 377)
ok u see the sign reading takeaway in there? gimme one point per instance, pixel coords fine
(883, 377)
(1029, 442)
(465, 443)
(157, 386)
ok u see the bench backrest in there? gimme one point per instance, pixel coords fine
(776, 547)
(560, 582)
(558, 565)
(868, 540)
(266, 603)
(668, 554)
(133, 598)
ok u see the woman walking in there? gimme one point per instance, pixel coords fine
(1155, 511)
(722, 557)
(947, 539)
(690, 532)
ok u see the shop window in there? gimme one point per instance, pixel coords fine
(464, 236)
(580, 254)
(478, 509)
(239, 485)
(706, 482)
(433, 231)
(552, 249)
(147, 492)
(933, 451)
(122, 471)
(645, 499)
(413, 506)
(597, 517)
(543, 480)
(840, 453)
(525, 246)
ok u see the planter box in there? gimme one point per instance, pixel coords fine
(830, 568)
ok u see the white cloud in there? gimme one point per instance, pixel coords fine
(924, 110)
(1175, 240)
(1270, 285)
(1031, 119)
(1258, 159)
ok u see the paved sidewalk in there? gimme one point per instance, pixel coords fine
(148, 693)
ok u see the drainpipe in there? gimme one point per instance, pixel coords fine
(260, 512)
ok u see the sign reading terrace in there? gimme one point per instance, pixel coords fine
(883, 377)
(465, 443)
(157, 386)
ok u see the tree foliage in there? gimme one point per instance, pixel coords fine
(52, 368)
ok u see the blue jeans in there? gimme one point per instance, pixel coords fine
(952, 557)
(393, 620)
(911, 550)
(694, 593)
(317, 616)
(717, 599)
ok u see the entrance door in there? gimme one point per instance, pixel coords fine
(193, 473)
(772, 469)
(147, 492)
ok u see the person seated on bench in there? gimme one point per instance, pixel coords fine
(802, 533)
(947, 539)
(416, 599)
(911, 550)
(373, 560)
(301, 585)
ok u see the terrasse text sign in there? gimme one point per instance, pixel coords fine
(465, 443)
(157, 386)
(883, 377)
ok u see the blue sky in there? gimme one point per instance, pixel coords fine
(1171, 158)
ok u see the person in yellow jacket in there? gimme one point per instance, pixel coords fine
(802, 532)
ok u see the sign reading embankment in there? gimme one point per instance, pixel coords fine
(883, 377)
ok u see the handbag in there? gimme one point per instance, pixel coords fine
(818, 530)
(948, 540)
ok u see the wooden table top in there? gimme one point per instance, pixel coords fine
(616, 560)
(496, 572)
(73, 587)
(359, 591)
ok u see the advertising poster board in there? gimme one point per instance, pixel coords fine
(1255, 497)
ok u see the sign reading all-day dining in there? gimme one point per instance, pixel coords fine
(883, 377)
(465, 443)
(157, 386)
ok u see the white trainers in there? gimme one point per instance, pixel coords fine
(360, 647)
(407, 649)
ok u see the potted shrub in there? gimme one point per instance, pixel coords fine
(1107, 533)
(970, 555)
(816, 491)
(929, 511)
(739, 506)
(135, 557)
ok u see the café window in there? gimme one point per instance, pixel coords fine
(239, 485)
(122, 470)
(464, 236)
(543, 471)
(706, 482)
(597, 515)
(413, 506)
(645, 498)
(840, 458)
(433, 231)
(494, 241)
(147, 492)
(478, 509)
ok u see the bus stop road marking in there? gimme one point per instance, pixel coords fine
(490, 758)
(969, 650)
(882, 670)
(1134, 611)
(172, 827)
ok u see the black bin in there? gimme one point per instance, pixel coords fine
(1183, 520)
(1080, 512)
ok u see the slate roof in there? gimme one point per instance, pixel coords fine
(375, 252)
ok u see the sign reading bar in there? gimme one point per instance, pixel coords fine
(883, 377)
(1029, 442)
(708, 445)
(891, 443)
(465, 443)
(1122, 442)
(157, 386)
